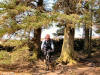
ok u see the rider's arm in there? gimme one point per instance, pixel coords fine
(52, 46)
(42, 45)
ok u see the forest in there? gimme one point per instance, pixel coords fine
(71, 56)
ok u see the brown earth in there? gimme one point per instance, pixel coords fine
(88, 66)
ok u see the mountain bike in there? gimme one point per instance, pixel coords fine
(47, 53)
(47, 57)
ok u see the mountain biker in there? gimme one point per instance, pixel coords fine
(47, 45)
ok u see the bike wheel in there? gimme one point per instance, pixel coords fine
(47, 62)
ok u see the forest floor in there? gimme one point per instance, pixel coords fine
(86, 66)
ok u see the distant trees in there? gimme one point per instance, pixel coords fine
(88, 20)
(97, 15)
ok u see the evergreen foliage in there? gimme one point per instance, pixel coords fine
(13, 8)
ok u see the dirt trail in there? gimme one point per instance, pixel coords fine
(78, 71)
(13, 73)
(90, 66)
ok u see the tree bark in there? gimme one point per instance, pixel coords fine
(40, 3)
(90, 43)
(67, 53)
(90, 38)
(36, 43)
(86, 40)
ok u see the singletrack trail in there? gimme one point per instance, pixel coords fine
(90, 66)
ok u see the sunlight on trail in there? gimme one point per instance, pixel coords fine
(12, 73)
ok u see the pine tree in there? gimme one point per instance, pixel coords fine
(87, 20)
(38, 18)
(70, 19)
(97, 15)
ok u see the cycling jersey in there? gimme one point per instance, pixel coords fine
(48, 44)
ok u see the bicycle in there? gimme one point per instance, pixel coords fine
(47, 51)
(47, 60)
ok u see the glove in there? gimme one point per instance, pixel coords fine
(44, 52)
(51, 50)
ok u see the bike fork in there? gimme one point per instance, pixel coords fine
(47, 61)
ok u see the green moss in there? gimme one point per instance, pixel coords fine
(5, 57)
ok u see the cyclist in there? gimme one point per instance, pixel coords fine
(47, 45)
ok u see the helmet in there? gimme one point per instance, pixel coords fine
(47, 37)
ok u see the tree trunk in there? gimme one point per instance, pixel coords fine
(90, 43)
(67, 53)
(36, 43)
(40, 3)
(90, 38)
(86, 40)
(37, 37)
